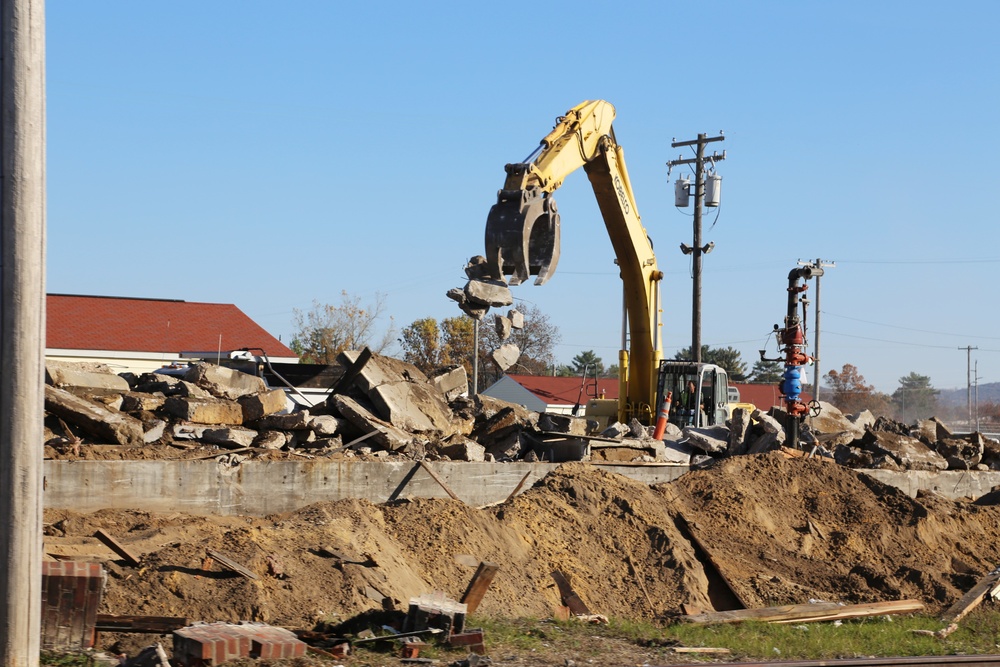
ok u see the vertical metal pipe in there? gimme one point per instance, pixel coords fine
(475, 356)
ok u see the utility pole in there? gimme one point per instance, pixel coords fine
(968, 378)
(697, 249)
(22, 326)
(816, 376)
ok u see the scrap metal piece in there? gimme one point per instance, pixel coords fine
(522, 235)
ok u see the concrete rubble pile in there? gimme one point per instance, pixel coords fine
(385, 408)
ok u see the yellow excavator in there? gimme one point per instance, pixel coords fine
(522, 239)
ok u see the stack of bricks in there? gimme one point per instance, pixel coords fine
(205, 644)
(71, 594)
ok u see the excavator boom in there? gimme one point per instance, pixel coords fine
(522, 236)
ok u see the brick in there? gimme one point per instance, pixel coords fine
(71, 595)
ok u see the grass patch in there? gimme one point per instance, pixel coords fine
(881, 636)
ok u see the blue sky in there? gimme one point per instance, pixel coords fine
(272, 155)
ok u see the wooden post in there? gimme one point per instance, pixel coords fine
(22, 326)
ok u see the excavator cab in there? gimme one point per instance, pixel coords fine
(700, 393)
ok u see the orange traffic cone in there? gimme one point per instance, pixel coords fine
(661, 418)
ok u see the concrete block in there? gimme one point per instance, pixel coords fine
(271, 439)
(908, 452)
(295, 421)
(559, 423)
(738, 425)
(204, 411)
(478, 269)
(136, 401)
(76, 380)
(413, 406)
(460, 448)
(506, 355)
(452, 382)
(713, 439)
(224, 382)
(502, 326)
(153, 431)
(516, 318)
(229, 437)
(262, 404)
(388, 436)
(493, 293)
(325, 425)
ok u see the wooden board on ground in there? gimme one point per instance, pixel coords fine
(972, 598)
(113, 544)
(569, 596)
(230, 564)
(480, 582)
(159, 625)
(806, 613)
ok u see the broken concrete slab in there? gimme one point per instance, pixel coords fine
(262, 404)
(231, 438)
(73, 378)
(385, 434)
(502, 326)
(713, 439)
(412, 406)
(478, 269)
(204, 411)
(460, 448)
(94, 419)
(451, 381)
(295, 421)
(738, 425)
(560, 423)
(153, 431)
(516, 318)
(962, 454)
(506, 355)
(325, 425)
(224, 382)
(907, 451)
(135, 401)
(494, 293)
(271, 439)
(831, 421)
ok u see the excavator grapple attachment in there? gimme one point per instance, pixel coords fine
(522, 236)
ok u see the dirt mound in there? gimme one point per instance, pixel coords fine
(784, 531)
(780, 531)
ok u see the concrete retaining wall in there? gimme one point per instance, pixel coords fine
(266, 487)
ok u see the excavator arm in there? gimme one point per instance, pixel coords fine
(522, 236)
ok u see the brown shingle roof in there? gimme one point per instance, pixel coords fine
(152, 325)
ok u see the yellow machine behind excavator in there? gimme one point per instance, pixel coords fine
(522, 240)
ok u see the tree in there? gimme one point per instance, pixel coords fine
(915, 398)
(587, 363)
(326, 330)
(421, 343)
(430, 346)
(726, 358)
(766, 371)
(851, 395)
(536, 341)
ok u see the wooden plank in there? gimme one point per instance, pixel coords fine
(700, 649)
(113, 544)
(230, 564)
(972, 598)
(806, 613)
(159, 625)
(569, 596)
(439, 481)
(478, 586)
(518, 487)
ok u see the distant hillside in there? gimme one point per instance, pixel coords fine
(988, 393)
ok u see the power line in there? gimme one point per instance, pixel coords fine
(896, 326)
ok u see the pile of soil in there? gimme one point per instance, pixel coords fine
(780, 532)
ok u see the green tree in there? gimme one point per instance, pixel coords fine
(915, 398)
(457, 340)
(587, 363)
(326, 330)
(766, 371)
(726, 358)
(851, 394)
(421, 343)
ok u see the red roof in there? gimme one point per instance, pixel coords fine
(566, 390)
(152, 325)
